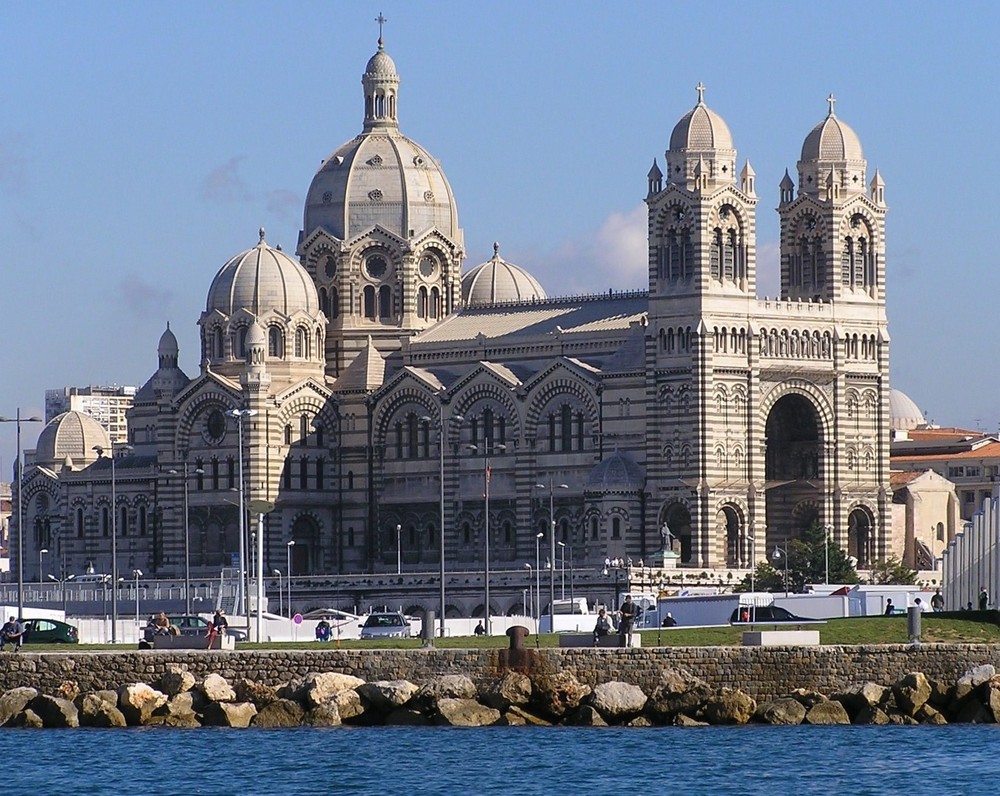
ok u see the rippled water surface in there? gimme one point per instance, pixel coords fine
(847, 761)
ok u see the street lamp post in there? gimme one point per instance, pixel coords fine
(260, 508)
(399, 553)
(775, 556)
(62, 589)
(239, 415)
(552, 552)
(137, 573)
(530, 608)
(827, 529)
(41, 572)
(442, 443)
(288, 574)
(187, 536)
(562, 572)
(488, 448)
(114, 539)
(281, 596)
(538, 576)
(20, 507)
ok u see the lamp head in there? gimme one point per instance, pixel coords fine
(539, 535)
(561, 544)
(291, 543)
(539, 486)
(43, 550)
(776, 555)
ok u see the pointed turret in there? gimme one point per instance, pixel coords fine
(748, 179)
(654, 179)
(787, 189)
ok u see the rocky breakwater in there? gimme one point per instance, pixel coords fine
(326, 699)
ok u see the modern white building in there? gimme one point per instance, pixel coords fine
(107, 405)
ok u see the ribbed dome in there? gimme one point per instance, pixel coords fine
(904, 414)
(262, 280)
(168, 344)
(380, 64)
(497, 281)
(617, 473)
(701, 128)
(832, 140)
(70, 435)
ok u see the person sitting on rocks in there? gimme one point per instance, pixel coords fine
(161, 625)
(603, 626)
(323, 630)
(12, 633)
(669, 621)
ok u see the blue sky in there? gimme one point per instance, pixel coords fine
(143, 144)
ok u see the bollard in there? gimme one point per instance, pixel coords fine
(913, 623)
(427, 629)
(517, 634)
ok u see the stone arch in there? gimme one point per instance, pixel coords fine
(730, 522)
(861, 543)
(677, 516)
(306, 530)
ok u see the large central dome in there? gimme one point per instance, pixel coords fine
(380, 177)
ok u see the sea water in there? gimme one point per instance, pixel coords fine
(847, 761)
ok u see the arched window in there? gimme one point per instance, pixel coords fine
(304, 473)
(304, 429)
(422, 302)
(301, 343)
(369, 302)
(288, 434)
(320, 467)
(142, 521)
(231, 472)
(274, 342)
(384, 302)
(79, 523)
(241, 342)
(123, 521)
(435, 303)
(334, 305)
(319, 435)
(219, 345)
(105, 521)
(411, 436)
(616, 528)
(199, 474)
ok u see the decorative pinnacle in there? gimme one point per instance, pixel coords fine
(701, 92)
(260, 232)
(496, 249)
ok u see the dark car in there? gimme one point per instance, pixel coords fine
(192, 625)
(764, 614)
(49, 631)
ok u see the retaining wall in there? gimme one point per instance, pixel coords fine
(762, 672)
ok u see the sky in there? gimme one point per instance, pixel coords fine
(143, 144)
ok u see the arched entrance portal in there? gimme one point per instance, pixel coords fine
(730, 526)
(861, 537)
(792, 465)
(305, 532)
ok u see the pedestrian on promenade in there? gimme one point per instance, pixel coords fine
(888, 608)
(217, 627)
(984, 599)
(937, 601)
(627, 614)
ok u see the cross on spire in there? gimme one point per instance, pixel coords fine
(832, 102)
(381, 20)
(701, 92)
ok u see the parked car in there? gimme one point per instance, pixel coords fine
(765, 613)
(49, 631)
(193, 625)
(386, 624)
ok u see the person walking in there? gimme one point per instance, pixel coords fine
(984, 599)
(937, 601)
(888, 608)
(627, 617)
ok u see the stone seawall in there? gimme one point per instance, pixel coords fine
(762, 673)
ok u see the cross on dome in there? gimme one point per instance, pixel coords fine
(832, 100)
(381, 20)
(701, 92)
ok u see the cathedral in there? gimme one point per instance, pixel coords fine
(385, 407)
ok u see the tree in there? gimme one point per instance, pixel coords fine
(892, 571)
(808, 559)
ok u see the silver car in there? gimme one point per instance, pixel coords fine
(386, 624)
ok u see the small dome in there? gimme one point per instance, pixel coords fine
(701, 128)
(616, 473)
(168, 344)
(498, 281)
(262, 280)
(256, 336)
(380, 64)
(71, 435)
(904, 414)
(832, 140)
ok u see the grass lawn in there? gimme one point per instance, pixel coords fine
(858, 630)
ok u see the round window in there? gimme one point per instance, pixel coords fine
(216, 426)
(376, 266)
(330, 267)
(428, 266)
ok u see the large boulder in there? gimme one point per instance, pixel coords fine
(386, 695)
(678, 692)
(320, 687)
(514, 688)
(326, 715)
(863, 697)
(216, 688)
(584, 716)
(518, 716)
(728, 706)
(280, 713)
(618, 702)
(465, 713)
(784, 710)
(555, 695)
(13, 704)
(138, 701)
(229, 714)
(829, 712)
(260, 694)
(911, 692)
(870, 714)
(448, 686)
(55, 712)
(348, 705)
(176, 680)
(99, 709)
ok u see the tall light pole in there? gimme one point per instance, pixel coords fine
(41, 572)
(399, 551)
(488, 448)
(20, 507)
(62, 589)
(776, 556)
(442, 444)
(552, 551)
(187, 536)
(260, 508)
(827, 529)
(288, 574)
(239, 415)
(538, 576)
(281, 594)
(137, 573)
(114, 539)
(562, 574)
